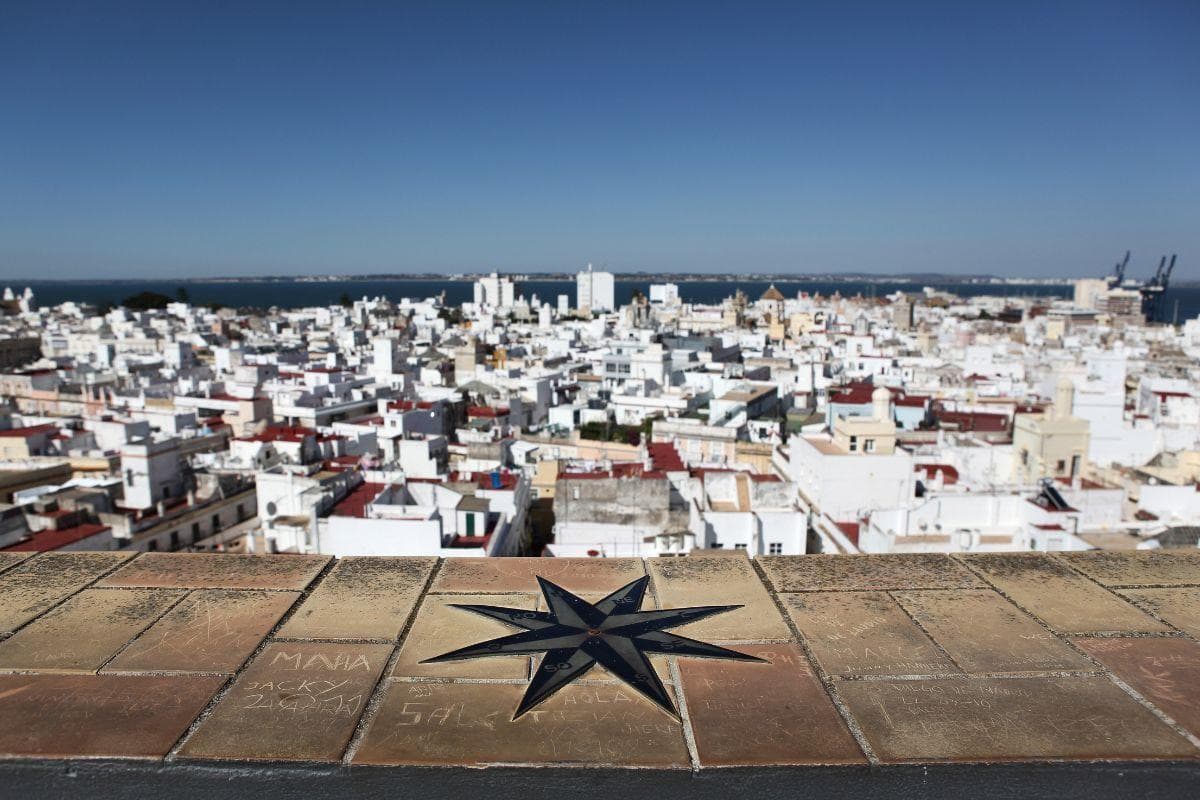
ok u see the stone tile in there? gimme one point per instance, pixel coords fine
(98, 716)
(32, 587)
(891, 571)
(213, 630)
(501, 575)
(1138, 567)
(8, 560)
(439, 628)
(1178, 606)
(750, 714)
(1060, 597)
(297, 701)
(983, 632)
(362, 598)
(1007, 719)
(203, 571)
(462, 724)
(86, 631)
(1164, 671)
(864, 633)
(681, 582)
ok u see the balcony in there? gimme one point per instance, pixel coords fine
(907, 675)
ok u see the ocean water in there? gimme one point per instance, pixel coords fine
(296, 294)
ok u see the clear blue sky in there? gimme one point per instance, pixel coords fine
(174, 138)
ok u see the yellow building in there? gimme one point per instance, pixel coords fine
(1053, 444)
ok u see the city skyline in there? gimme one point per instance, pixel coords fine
(677, 139)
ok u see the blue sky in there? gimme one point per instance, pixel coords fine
(172, 139)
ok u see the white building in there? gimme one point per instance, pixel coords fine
(595, 291)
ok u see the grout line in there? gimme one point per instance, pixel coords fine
(685, 719)
(223, 691)
(822, 676)
(183, 595)
(371, 710)
(1163, 717)
(1109, 590)
(1103, 670)
(936, 644)
(88, 585)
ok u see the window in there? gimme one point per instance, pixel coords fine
(129, 477)
(717, 545)
(470, 524)
(868, 445)
(152, 545)
(216, 522)
(195, 532)
(241, 512)
(853, 444)
(739, 547)
(166, 492)
(174, 540)
(1075, 459)
(1060, 467)
(775, 548)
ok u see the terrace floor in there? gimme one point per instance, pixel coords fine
(219, 675)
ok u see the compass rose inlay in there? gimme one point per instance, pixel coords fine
(575, 635)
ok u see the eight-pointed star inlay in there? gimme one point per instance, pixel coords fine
(576, 635)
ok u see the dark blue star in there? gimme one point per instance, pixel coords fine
(575, 635)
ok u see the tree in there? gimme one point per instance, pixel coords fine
(345, 300)
(143, 301)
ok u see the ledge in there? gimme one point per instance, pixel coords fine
(1072, 673)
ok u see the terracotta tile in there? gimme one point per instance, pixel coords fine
(748, 714)
(8, 560)
(1138, 567)
(1164, 671)
(500, 575)
(1178, 606)
(471, 724)
(204, 571)
(681, 582)
(1007, 719)
(297, 701)
(93, 716)
(438, 629)
(37, 584)
(890, 571)
(213, 630)
(362, 598)
(85, 631)
(983, 632)
(864, 633)
(1060, 597)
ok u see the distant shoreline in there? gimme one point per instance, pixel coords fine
(915, 278)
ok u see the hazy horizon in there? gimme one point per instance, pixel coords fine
(162, 142)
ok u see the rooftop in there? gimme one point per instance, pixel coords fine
(213, 674)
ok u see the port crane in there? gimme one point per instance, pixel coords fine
(1152, 290)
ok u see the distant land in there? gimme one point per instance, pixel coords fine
(680, 277)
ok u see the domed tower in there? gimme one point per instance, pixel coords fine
(881, 404)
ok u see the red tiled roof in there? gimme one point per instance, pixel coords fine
(624, 469)
(850, 529)
(45, 541)
(25, 433)
(665, 457)
(508, 480)
(973, 421)
(486, 411)
(355, 503)
(949, 473)
(281, 433)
